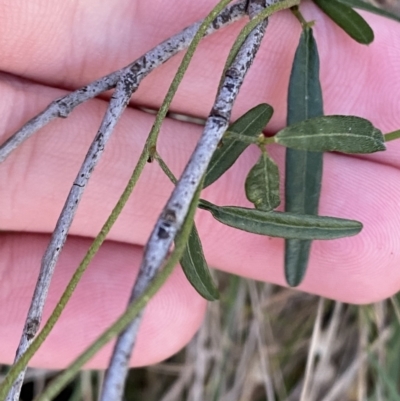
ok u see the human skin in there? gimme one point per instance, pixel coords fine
(49, 48)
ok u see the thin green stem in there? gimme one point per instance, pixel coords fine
(165, 168)
(41, 337)
(392, 135)
(261, 141)
(296, 12)
(282, 5)
(118, 366)
(147, 152)
(304, 24)
(135, 308)
(132, 311)
(162, 112)
(268, 140)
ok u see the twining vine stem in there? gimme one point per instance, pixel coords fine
(174, 213)
(126, 81)
(62, 107)
(133, 310)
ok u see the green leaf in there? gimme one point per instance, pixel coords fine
(262, 184)
(348, 19)
(196, 269)
(305, 94)
(282, 224)
(303, 168)
(250, 124)
(367, 6)
(388, 382)
(346, 134)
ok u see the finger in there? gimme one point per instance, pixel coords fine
(171, 318)
(360, 269)
(37, 176)
(88, 40)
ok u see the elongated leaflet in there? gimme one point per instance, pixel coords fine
(250, 124)
(193, 262)
(130, 76)
(132, 312)
(282, 224)
(347, 134)
(365, 5)
(196, 269)
(303, 168)
(348, 19)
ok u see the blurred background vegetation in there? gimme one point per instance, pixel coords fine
(263, 342)
(392, 5)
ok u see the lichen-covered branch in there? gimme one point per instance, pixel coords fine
(126, 85)
(127, 81)
(174, 213)
(62, 107)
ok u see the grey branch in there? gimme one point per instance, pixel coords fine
(174, 213)
(126, 85)
(126, 81)
(62, 107)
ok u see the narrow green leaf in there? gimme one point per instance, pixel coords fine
(282, 224)
(390, 384)
(262, 184)
(303, 168)
(196, 269)
(348, 19)
(346, 134)
(250, 124)
(367, 6)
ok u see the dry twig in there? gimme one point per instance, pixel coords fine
(174, 213)
(126, 81)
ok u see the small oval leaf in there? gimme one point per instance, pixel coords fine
(250, 124)
(348, 19)
(196, 269)
(346, 134)
(262, 184)
(283, 224)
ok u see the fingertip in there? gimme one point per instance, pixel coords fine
(171, 318)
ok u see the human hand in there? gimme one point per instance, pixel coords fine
(48, 49)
